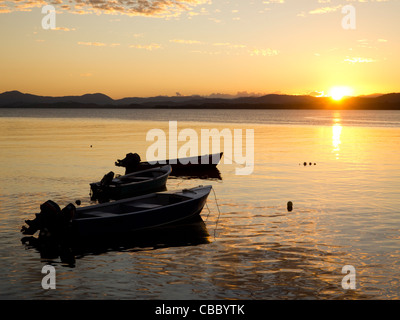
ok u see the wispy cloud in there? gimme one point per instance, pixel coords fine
(370, 43)
(229, 45)
(359, 60)
(65, 29)
(182, 41)
(149, 47)
(325, 10)
(263, 52)
(154, 8)
(4, 9)
(274, 1)
(333, 8)
(96, 44)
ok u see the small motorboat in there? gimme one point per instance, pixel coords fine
(132, 163)
(136, 183)
(188, 232)
(148, 211)
(139, 213)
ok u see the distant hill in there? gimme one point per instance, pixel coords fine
(16, 99)
(389, 101)
(389, 98)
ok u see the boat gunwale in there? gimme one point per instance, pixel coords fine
(165, 173)
(177, 161)
(163, 168)
(119, 202)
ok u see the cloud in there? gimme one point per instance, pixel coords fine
(331, 7)
(215, 20)
(370, 43)
(324, 10)
(317, 93)
(149, 47)
(359, 60)
(237, 49)
(229, 45)
(182, 41)
(273, 1)
(96, 44)
(263, 52)
(65, 29)
(154, 8)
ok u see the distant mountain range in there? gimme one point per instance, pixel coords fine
(16, 99)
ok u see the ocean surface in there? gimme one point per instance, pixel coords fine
(340, 169)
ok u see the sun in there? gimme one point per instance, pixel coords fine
(337, 93)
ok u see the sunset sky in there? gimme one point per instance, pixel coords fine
(127, 48)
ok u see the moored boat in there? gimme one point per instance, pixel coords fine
(188, 232)
(132, 214)
(132, 163)
(142, 212)
(136, 183)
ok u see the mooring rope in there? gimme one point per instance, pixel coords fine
(208, 211)
(219, 212)
(233, 161)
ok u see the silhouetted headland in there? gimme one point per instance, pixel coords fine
(16, 99)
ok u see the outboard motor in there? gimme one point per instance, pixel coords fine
(68, 213)
(47, 217)
(51, 221)
(107, 179)
(131, 162)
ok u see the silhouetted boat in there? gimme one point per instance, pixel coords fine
(180, 165)
(205, 174)
(140, 182)
(188, 232)
(142, 212)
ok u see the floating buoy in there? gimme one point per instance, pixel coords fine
(290, 206)
(310, 163)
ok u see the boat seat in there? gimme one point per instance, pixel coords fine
(142, 178)
(100, 214)
(145, 205)
(129, 179)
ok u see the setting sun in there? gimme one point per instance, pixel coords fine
(337, 93)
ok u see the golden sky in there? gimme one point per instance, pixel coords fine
(127, 48)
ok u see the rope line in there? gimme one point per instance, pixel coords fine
(219, 212)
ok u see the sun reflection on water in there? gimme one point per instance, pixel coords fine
(336, 134)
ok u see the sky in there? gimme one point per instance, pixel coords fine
(142, 48)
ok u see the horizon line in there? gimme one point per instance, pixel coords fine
(239, 94)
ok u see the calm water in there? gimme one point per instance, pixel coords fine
(247, 246)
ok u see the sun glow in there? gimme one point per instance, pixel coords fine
(337, 93)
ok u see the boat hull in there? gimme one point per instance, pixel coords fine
(120, 191)
(179, 166)
(140, 219)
